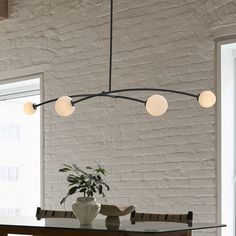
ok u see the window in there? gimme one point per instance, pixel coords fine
(20, 149)
(9, 212)
(226, 134)
(9, 174)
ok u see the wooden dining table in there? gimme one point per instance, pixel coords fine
(71, 227)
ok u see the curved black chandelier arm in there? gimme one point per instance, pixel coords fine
(154, 89)
(107, 94)
(124, 97)
(55, 99)
(127, 98)
(130, 90)
(43, 103)
(88, 97)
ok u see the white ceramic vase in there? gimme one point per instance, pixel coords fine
(86, 209)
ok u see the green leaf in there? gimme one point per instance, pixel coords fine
(64, 170)
(72, 180)
(100, 189)
(100, 170)
(108, 188)
(68, 166)
(73, 190)
(75, 168)
(64, 199)
(89, 168)
(90, 193)
(93, 189)
(83, 190)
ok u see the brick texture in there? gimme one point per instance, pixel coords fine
(165, 164)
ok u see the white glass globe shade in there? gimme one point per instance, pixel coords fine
(156, 105)
(207, 99)
(64, 107)
(29, 108)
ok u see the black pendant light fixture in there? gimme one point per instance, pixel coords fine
(156, 105)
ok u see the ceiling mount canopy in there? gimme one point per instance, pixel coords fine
(156, 105)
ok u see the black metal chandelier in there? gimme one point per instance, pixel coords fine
(156, 105)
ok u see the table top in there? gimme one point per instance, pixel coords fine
(99, 225)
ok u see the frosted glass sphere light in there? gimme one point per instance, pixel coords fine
(207, 99)
(156, 105)
(64, 107)
(29, 108)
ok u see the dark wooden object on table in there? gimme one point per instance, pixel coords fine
(178, 218)
(135, 217)
(40, 214)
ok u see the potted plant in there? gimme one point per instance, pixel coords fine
(86, 182)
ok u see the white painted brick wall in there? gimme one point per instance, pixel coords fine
(164, 164)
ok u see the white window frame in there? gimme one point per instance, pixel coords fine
(219, 43)
(41, 79)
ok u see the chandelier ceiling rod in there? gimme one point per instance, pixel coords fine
(156, 105)
(111, 42)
